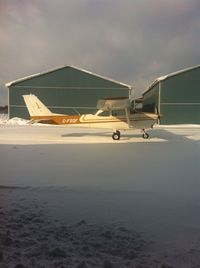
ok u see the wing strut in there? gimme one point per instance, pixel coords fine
(127, 111)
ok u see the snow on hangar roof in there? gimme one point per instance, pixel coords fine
(164, 77)
(9, 84)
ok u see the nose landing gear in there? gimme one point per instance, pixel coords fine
(145, 135)
(116, 135)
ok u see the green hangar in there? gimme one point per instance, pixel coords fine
(67, 90)
(176, 96)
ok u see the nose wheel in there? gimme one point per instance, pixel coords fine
(116, 135)
(145, 135)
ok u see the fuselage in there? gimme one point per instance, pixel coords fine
(136, 120)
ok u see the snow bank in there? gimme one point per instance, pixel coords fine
(16, 121)
(3, 118)
(13, 121)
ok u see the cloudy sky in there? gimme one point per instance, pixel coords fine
(132, 41)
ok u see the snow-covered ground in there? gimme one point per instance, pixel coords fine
(76, 198)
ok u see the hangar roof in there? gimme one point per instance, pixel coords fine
(162, 78)
(12, 83)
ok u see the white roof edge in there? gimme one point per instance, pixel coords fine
(22, 79)
(61, 67)
(177, 72)
(161, 78)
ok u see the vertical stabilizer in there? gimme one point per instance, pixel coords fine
(35, 106)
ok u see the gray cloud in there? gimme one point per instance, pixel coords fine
(132, 41)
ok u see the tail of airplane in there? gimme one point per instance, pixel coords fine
(35, 106)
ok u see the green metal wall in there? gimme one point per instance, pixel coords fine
(180, 114)
(180, 98)
(65, 90)
(150, 99)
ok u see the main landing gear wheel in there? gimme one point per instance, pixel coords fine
(145, 135)
(116, 135)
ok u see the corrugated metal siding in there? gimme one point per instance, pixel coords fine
(180, 98)
(180, 114)
(150, 99)
(182, 88)
(66, 90)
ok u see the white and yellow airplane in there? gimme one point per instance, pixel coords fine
(39, 113)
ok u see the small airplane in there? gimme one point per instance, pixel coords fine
(113, 113)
